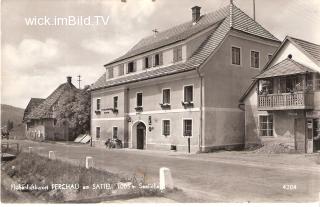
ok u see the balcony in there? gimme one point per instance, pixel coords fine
(286, 101)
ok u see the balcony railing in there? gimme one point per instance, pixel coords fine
(286, 101)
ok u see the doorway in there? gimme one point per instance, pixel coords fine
(141, 135)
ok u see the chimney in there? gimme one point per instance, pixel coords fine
(195, 13)
(69, 79)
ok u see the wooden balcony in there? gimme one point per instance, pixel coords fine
(286, 101)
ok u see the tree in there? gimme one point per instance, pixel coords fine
(9, 125)
(74, 110)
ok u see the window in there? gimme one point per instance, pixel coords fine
(139, 99)
(98, 104)
(121, 70)
(166, 127)
(177, 54)
(157, 59)
(266, 125)
(236, 56)
(255, 59)
(131, 67)
(187, 127)
(115, 102)
(115, 132)
(188, 93)
(97, 132)
(269, 57)
(166, 96)
(54, 122)
(147, 62)
(110, 72)
(317, 81)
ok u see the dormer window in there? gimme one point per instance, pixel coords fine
(157, 59)
(110, 72)
(147, 62)
(177, 54)
(121, 70)
(131, 67)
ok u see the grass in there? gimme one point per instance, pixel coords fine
(30, 168)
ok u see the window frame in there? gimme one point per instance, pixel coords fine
(169, 96)
(113, 130)
(183, 91)
(110, 73)
(137, 99)
(98, 108)
(267, 124)
(163, 129)
(183, 127)
(240, 56)
(156, 61)
(259, 59)
(115, 106)
(133, 69)
(98, 127)
(176, 52)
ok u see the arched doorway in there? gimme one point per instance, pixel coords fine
(141, 135)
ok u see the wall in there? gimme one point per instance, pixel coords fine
(225, 84)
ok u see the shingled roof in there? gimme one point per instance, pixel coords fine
(218, 21)
(33, 103)
(44, 109)
(311, 48)
(284, 68)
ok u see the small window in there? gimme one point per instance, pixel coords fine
(266, 125)
(97, 132)
(115, 102)
(177, 54)
(131, 67)
(54, 122)
(121, 70)
(187, 127)
(188, 94)
(166, 96)
(110, 72)
(317, 81)
(115, 132)
(255, 59)
(236, 56)
(147, 62)
(156, 60)
(139, 99)
(166, 127)
(98, 104)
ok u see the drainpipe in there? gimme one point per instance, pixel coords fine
(201, 103)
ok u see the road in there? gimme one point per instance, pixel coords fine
(202, 180)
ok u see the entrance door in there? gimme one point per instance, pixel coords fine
(141, 135)
(309, 135)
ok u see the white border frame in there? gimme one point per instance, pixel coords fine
(273, 124)
(170, 124)
(240, 65)
(183, 98)
(117, 131)
(136, 104)
(183, 119)
(162, 95)
(259, 52)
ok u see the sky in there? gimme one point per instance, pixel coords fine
(36, 59)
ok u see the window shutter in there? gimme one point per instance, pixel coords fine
(134, 66)
(175, 55)
(143, 63)
(160, 58)
(179, 50)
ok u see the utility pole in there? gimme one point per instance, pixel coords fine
(79, 80)
(254, 10)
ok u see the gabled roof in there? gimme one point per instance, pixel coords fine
(218, 21)
(181, 32)
(308, 48)
(284, 68)
(44, 110)
(311, 49)
(33, 103)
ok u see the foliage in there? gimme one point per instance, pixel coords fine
(74, 110)
(9, 125)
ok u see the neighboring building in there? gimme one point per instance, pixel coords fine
(282, 106)
(183, 85)
(39, 115)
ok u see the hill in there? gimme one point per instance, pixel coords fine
(11, 113)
